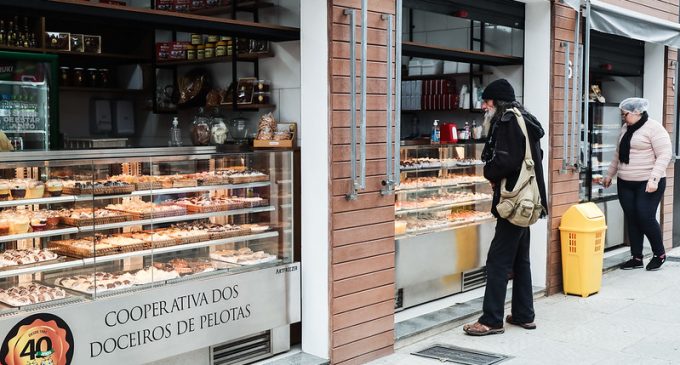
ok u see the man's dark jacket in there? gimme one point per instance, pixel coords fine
(508, 154)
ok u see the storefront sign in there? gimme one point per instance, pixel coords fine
(156, 323)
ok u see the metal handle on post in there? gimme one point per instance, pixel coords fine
(352, 195)
(364, 51)
(389, 182)
(577, 84)
(566, 158)
(584, 137)
(396, 180)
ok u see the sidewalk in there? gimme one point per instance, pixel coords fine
(635, 319)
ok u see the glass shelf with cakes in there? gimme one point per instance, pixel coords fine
(442, 188)
(74, 228)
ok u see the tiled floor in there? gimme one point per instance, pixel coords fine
(634, 319)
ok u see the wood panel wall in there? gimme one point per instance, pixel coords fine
(563, 188)
(362, 231)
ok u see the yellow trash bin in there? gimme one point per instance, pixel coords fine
(582, 231)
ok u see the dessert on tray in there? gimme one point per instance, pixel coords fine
(99, 281)
(31, 293)
(242, 256)
(25, 256)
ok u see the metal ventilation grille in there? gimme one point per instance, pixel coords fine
(459, 355)
(474, 278)
(243, 350)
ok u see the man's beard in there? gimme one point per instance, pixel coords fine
(486, 124)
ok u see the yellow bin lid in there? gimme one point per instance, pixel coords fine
(585, 217)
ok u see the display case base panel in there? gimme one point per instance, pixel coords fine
(613, 213)
(431, 266)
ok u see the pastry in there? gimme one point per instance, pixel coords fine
(4, 190)
(36, 189)
(19, 224)
(18, 191)
(99, 281)
(242, 256)
(153, 274)
(54, 187)
(4, 226)
(32, 293)
(38, 224)
(25, 256)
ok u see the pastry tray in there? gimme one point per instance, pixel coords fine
(248, 179)
(48, 303)
(108, 190)
(76, 222)
(64, 248)
(151, 215)
(229, 234)
(148, 185)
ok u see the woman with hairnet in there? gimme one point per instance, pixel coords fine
(640, 161)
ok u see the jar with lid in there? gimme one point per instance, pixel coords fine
(104, 77)
(191, 52)
(78, 76)
(238, 129)
(212, 38)
(91, 77)
(65, 76)
(261, 97)
(262, 86)
(221, 48)
(196, 39)
(200, 52)
(200, 129)
(209, 51)
(218, 129)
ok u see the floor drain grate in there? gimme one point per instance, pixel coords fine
(460, 355)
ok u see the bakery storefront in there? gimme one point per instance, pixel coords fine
(443, 227)
(147, 185)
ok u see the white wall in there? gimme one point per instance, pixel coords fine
(653, 83)
(315, 178)
(537, 62)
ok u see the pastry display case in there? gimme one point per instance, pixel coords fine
(87, 225)
(443, 222)
(603, 139)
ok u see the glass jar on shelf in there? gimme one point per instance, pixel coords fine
(218, 129)
(200, 129)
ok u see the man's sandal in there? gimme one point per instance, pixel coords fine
(478, 329)
(526, 326)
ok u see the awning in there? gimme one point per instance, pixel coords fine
(613, 19)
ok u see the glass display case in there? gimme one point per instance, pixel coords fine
(81, 225)
(443, 221)
(604, 126)
(605, 119)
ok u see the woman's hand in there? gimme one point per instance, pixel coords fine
(651, 187)
(607, 182)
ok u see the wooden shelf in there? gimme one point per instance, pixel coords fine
(226, 9)
(117, 56)
(241, 57)
(69, 54)
(248, 106)
(99, 90)
(82, 11)
(444, 76)
(422, 50)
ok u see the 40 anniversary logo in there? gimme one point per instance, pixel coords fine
(40, 339)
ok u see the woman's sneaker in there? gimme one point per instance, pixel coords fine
(634, 263)
(656, 262)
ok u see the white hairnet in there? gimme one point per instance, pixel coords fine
(634, 105)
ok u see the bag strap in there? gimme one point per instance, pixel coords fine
(523, 127)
